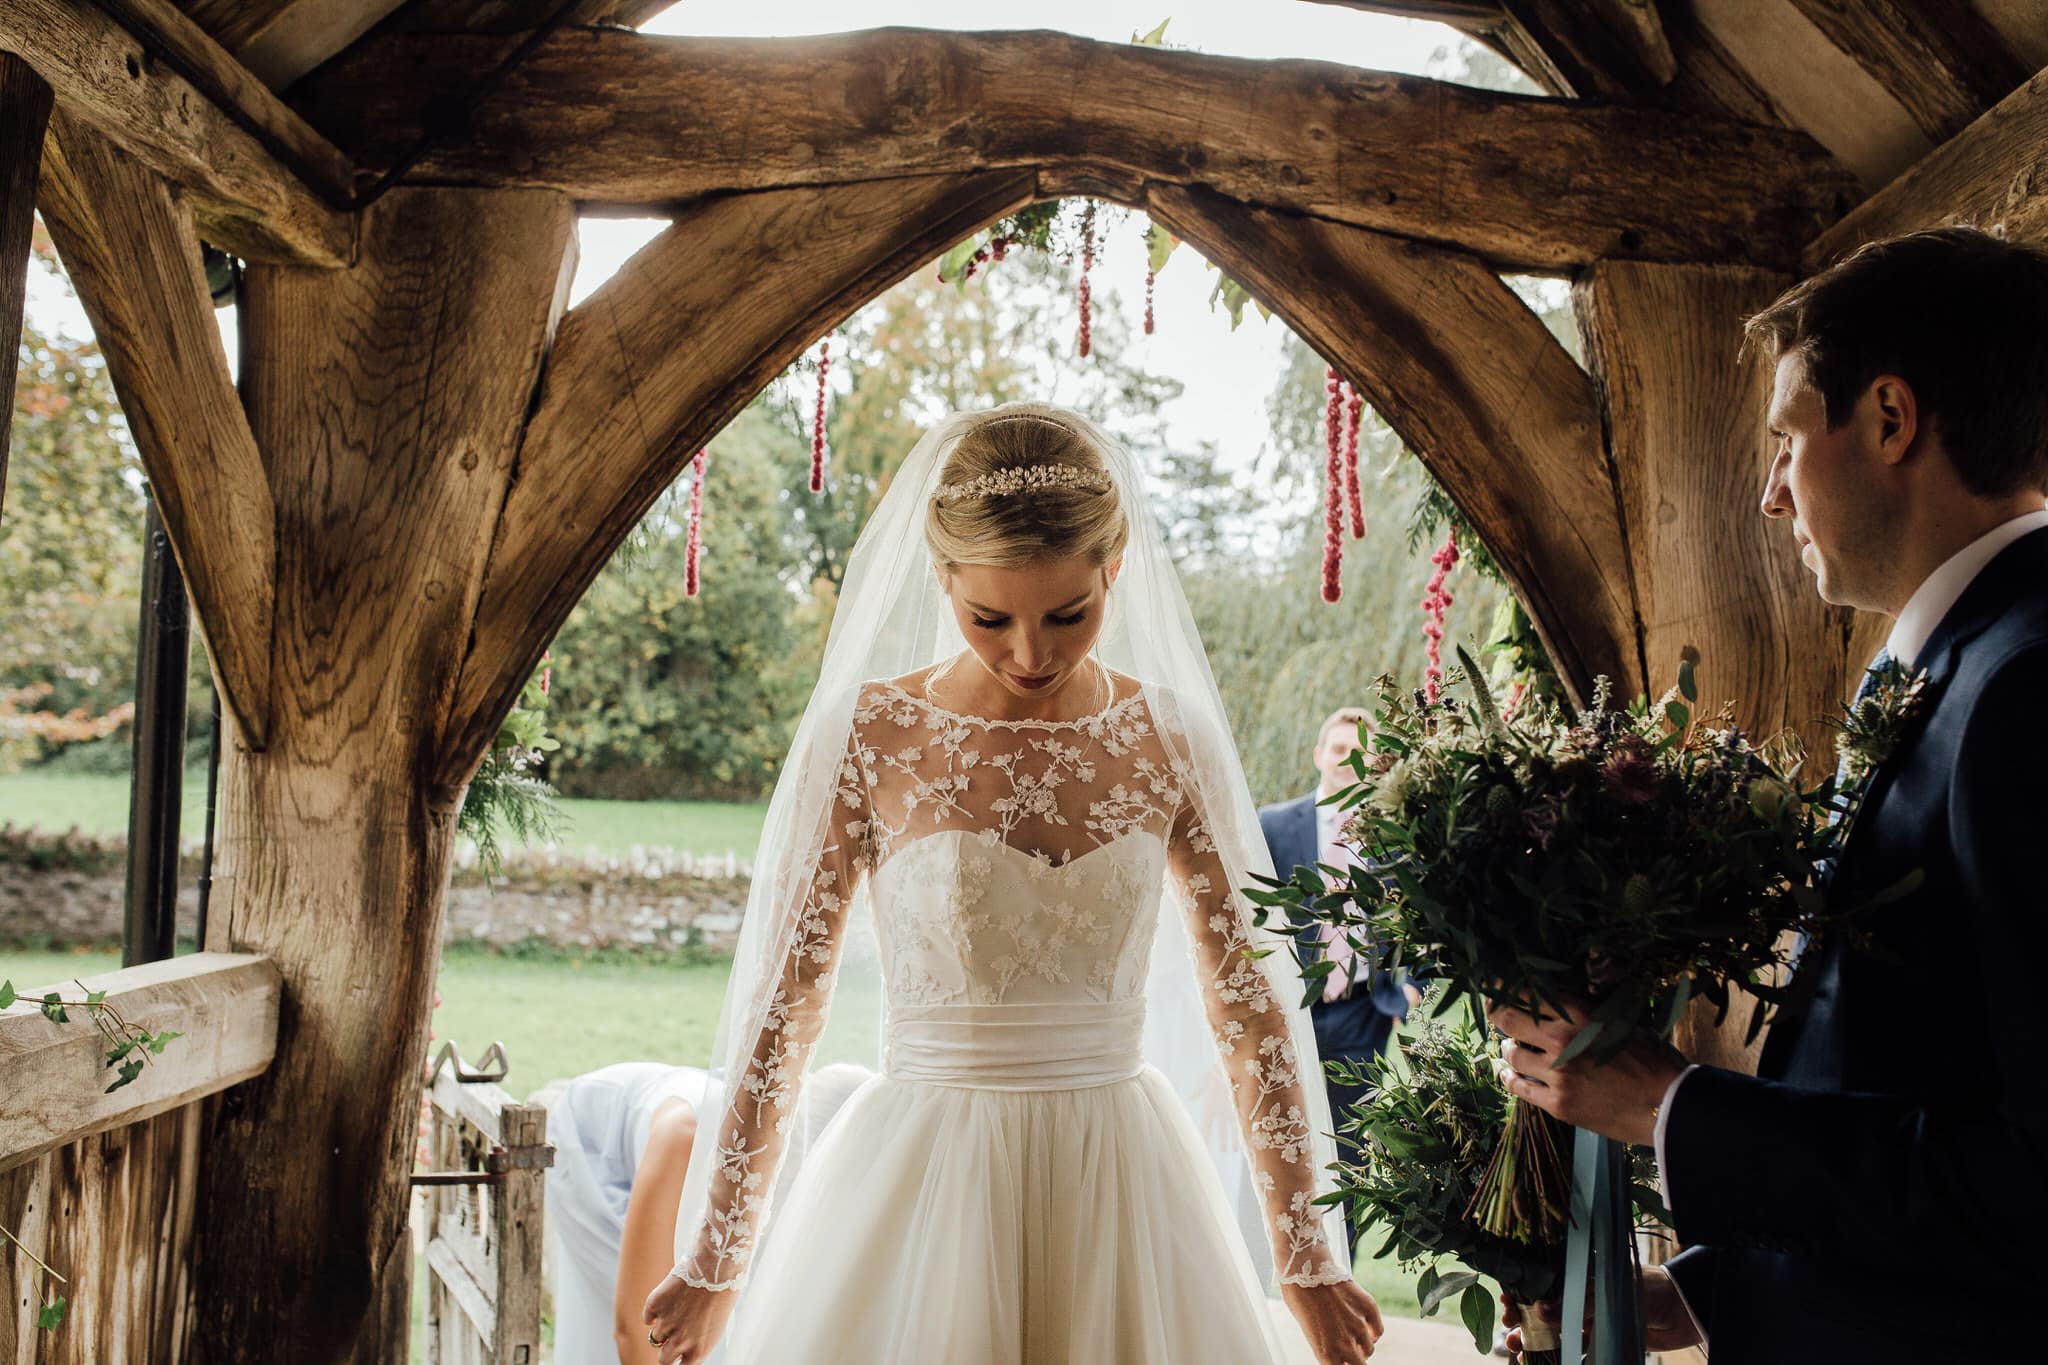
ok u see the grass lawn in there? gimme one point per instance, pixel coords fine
(559, 1016)
(99, 805)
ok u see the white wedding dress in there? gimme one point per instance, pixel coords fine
(1017, 1187)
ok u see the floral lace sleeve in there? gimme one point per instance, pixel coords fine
(1258, 1050)
(790, 1011)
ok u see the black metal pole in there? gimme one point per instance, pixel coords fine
(163, 647)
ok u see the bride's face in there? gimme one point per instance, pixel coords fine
(1031, 626)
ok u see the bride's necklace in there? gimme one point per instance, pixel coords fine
(1108, 692)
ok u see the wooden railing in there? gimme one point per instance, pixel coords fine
(100, 1185)
(484, 1201)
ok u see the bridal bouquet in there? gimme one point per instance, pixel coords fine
(1627, 861)
(1619, 862)
(1426, 1146)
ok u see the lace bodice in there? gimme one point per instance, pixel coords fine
(1019, 864)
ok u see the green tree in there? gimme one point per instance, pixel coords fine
(658, 694)
(925, 349)
(1283, 657)
(70, 538)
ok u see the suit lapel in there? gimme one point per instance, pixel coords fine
(1980, 606)
(2019, 565)
(1307, 847)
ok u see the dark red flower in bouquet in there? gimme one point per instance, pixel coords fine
(1630, 772)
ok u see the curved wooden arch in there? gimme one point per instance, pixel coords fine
(1473, 381)
(658, 360)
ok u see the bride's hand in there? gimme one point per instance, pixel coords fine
(685, 1322)
(1341, 1321)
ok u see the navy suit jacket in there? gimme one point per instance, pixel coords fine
(1877, 1193)
(1358, 1026)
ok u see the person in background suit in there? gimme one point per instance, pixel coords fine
(1361, 1002)
(1883, 1180)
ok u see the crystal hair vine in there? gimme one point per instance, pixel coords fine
(1031, 478)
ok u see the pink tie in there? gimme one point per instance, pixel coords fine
(1336, 947)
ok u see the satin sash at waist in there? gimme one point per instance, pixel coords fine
(1067, 1045)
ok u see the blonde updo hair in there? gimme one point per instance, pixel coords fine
(1060, 515)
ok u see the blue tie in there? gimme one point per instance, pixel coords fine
(1873, 678)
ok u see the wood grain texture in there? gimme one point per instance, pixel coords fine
(309, 34)
(658, 360)
(224, 1006)
(1596, 49)
(1821, 88)
(387, 400)
(1993, 174)
(113, 1213)
(623, 118)
(1474, 383)
(1939, 58)
(168, 35)
(235, 23)
(105, 77)
(484, 1244)
(132, 251)
(24, 113)
(1716, 582)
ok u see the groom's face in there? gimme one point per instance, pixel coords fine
(1832, 485)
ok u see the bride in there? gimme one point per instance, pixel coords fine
(1012, 823)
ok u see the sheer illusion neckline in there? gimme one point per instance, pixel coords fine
(1111, 708)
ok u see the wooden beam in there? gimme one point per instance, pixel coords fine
(519, 16)
(281, 40)
(114, 1213)
(1467, 16)
(1715, 581)
(658, 360)
(1938, 58)
(624, 118)
(223, 1005)
(132, 251)
(263, 184)
(1592, 49)
(1994, 174)
(24, 113)
(234, 24)
(1474, 383)
(387, 400)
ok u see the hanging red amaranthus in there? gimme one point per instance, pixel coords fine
(695, 545)
(546, 672)
(1354, 406)
(1087, 264)
(1333, 507)
(818, 422)
(1435, 601)
(1515, 695)
(1151, 277)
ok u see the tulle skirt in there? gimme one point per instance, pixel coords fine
(944, 1225)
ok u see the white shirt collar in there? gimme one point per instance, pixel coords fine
(1932, 599)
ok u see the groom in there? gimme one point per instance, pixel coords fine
(1878, 1192)
(1359, 1006)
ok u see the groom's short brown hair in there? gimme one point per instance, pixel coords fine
(1961, 316)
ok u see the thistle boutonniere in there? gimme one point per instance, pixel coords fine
(1874, 728)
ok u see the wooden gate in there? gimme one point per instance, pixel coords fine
(484, 1201)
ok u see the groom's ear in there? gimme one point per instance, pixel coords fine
(1894, 411)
